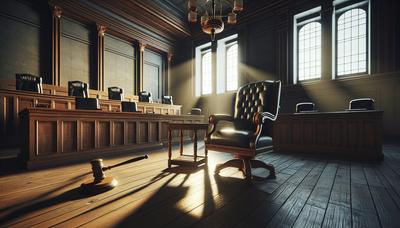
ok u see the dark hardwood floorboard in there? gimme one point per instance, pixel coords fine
(307, 192)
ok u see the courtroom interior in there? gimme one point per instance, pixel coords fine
(200, 113)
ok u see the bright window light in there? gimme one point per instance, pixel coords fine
(232, 67)
(309, 51)
(352, 42)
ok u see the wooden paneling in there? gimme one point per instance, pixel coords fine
(103, 134)
(143, 132)
(55, 132)
(77, 52)
(118, 133)
(153, 73)
(69, 136)
(87, 137)
(131, 132)
(119, 64)
(46, 137)
(153, 132)
(25, 39)
(355, 135)
(13, 102)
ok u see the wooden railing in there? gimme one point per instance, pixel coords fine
(51, 136)
(12, 102)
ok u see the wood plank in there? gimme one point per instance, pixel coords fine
(337, 216)
(290, 210)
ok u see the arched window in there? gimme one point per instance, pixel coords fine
(232, 67)
(351, 55)
(309, 51)
(206, 76)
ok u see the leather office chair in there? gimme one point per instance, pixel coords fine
(305, 107)
(80, 90)
(167, 100)
(362, 104)
(245, 134)
(116, 93)
(28, 82)
(195, 111)
(145, 96)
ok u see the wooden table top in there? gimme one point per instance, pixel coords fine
(188, 126)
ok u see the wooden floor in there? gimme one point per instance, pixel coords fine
(308, 192)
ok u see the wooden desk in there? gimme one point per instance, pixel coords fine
(354, 135)
(51, 137)
(183, 159)
(12, 102)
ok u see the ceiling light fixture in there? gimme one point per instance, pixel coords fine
(211, 20)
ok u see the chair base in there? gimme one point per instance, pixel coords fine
(245, 164)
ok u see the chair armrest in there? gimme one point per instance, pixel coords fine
(261, 117)
(214, 119)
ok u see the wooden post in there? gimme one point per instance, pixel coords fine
(55, 51)
(168, 78)
(181, 147)
(169, 147)
(195, 145)
(100, 56)
(142, 47)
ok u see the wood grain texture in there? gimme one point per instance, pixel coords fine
(308, 192)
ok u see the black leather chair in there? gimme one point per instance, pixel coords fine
(305, 107)
(245, 134)
(28, 82)
(80, 90)
(116, 93)
(195, 111)
(167, 100)
(362, 104)
(145, 96)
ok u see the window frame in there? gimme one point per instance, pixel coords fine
(299, 27)
(228, 45)
(203, 52)
(299, 21)
(338, 11)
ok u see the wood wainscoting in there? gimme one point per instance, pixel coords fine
(354, 135)
(13, 102)
(51, 136)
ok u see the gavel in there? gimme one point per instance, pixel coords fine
(101, 182)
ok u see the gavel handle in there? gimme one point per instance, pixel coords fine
(126, 162)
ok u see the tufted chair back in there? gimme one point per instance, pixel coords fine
(262, 96)
(115, 93)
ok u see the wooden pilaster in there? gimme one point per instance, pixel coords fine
(55, 54)
(100, 56)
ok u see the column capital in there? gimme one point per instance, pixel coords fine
(169, 57)
(56, 10)
(101, 30)
(142, 46)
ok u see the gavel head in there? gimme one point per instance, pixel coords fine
(97, 168)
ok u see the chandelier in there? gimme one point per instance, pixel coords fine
(211, 20)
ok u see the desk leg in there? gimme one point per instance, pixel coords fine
(181, 149)
(205, 149)
(195, 145)
(169, 147)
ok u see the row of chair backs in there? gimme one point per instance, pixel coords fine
(355, 104)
